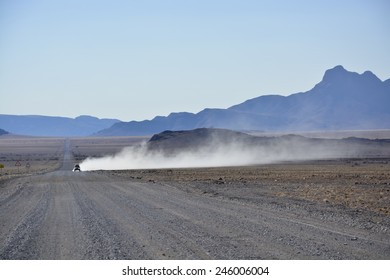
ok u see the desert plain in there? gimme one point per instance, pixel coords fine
(336, 208)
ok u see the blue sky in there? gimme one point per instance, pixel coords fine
(136, 59)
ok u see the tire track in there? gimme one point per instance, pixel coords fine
(104, 238)
(133, 222)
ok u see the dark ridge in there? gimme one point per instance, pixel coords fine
(3, 132)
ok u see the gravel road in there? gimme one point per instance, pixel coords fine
(94, 215)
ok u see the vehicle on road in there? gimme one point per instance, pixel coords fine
(76, 168)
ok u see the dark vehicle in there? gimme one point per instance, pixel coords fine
(76, 168)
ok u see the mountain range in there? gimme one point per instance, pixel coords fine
(343, 100)
(53, 126)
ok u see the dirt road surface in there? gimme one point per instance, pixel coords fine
(95, 215)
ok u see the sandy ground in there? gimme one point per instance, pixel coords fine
(334, 209)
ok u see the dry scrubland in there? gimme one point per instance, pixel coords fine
(35, 155)
(361, 184)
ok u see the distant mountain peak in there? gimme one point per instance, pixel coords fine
(338, 68)
(371, 76)
(86, 117)
(337, 73)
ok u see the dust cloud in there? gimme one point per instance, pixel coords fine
(219, 153)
